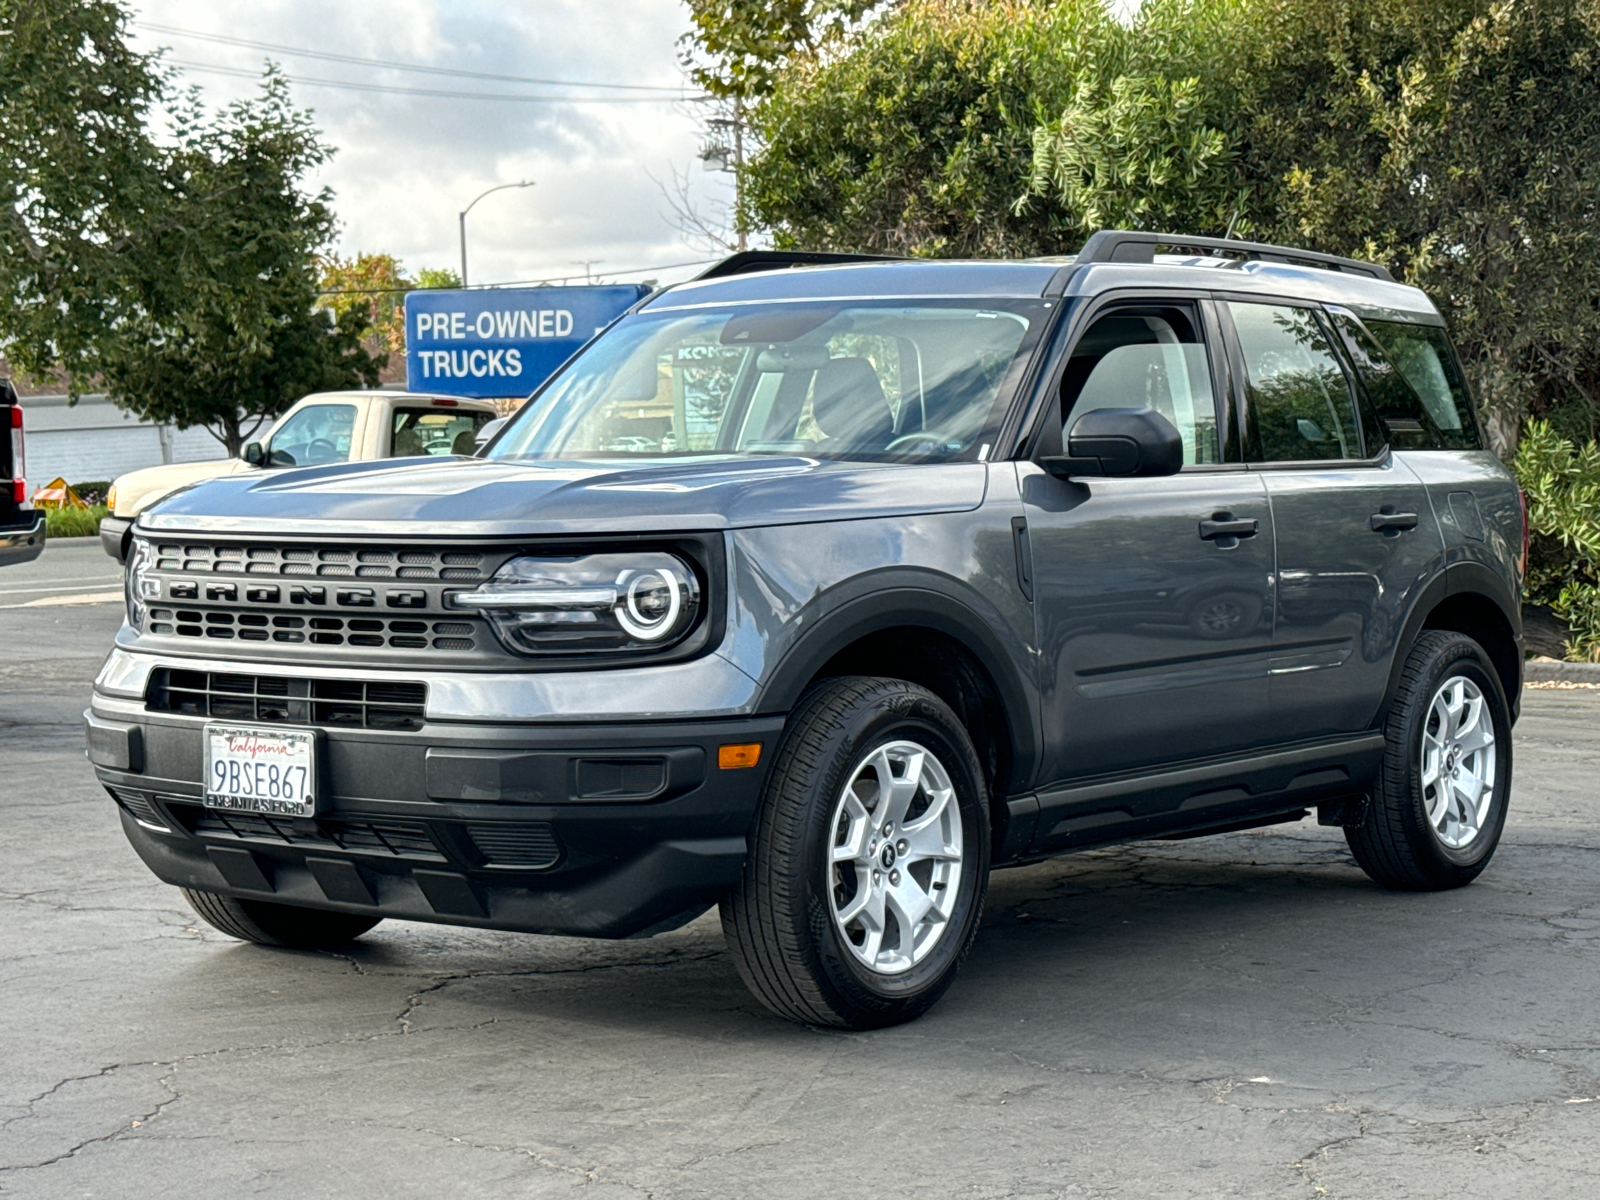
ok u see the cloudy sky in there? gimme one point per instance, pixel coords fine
(407, 162)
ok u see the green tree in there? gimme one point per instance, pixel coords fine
(438, 277)
(373, 284)
(736, 48)
(221, 328)
(80, 178)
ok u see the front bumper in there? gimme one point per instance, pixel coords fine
(535, 828)
(114, 536)
(22, 543)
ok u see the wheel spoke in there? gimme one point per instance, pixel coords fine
(1477, 736)
(859, 828)
(925, 837)
(910, 905)
(863, 902)
(900, 790)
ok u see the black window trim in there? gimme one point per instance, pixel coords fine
(1378, 458)
(1032, 440)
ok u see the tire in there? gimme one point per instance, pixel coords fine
(1398, 844)
(270, 924)
(787, 922)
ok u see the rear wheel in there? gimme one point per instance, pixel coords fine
(1440, 800)
(868, 862)
(271, 924)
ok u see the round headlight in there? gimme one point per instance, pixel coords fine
(648, 602)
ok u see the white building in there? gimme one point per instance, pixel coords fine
(93, 439)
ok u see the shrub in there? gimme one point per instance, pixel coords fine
(1562, 482)
(74, 522)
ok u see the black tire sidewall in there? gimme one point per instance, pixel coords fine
(1460, 656)
(909, 714)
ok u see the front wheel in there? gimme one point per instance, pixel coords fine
(1440, 800)
(868, 861)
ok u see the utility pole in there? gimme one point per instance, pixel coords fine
(526, 183)
(738, 170)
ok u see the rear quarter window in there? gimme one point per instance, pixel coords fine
(1417, 385)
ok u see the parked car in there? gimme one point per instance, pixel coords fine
(923, 569)
(323, 428)
(22, 527)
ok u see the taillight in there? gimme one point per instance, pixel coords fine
(1522, 562)
(19, 458)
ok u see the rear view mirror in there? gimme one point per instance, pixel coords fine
(1119, 442)
(486, 433)
(254, 454)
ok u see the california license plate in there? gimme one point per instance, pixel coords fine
(261, 770)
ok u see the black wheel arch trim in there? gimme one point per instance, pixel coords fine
(917, 601)
(1458, 579)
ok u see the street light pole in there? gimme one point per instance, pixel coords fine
(497, 188)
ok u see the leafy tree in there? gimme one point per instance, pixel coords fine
(374, 285)
(221, 327)
(80, 178)
(1562, 483)
(438, 277)
(737, 47)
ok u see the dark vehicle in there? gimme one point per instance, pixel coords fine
(820, 593)
(22, 527)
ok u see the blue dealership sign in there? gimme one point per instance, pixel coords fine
(503, 341)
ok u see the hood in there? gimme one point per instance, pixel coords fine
(471, 497)
(137, 490)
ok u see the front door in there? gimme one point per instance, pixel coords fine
(1153, 596)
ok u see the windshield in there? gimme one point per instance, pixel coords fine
(841, 380)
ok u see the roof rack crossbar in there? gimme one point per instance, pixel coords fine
(1127, 246)
(748, 262)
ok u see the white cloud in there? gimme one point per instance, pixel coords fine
(407, 164)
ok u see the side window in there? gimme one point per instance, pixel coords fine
(315, 436)
(1422, 353)
(1405, 421)
(1146, 358)
(1301, 404)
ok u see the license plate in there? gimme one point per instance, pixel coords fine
(261, 770)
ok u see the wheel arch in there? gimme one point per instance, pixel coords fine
(1470, 599)
(931, 638)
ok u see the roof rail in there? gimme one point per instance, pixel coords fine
(747, 262)
(1125, 246)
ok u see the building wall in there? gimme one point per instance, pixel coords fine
(93, 439)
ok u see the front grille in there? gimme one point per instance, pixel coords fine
(398, 633)
(530, 847)
(343, 703)
(138, 806)
(398, 839)
(326, 562)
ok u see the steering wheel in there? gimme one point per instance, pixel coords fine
(320, 450)
(925, 439)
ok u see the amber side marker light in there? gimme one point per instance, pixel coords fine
(733, 758)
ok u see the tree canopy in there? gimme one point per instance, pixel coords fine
(178, 273)
(1457, 141)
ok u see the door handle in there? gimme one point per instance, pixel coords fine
(1223, 526)
(1391, 523)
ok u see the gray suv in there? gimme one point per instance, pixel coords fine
(819, 593)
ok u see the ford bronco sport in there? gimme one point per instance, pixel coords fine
(819, 593)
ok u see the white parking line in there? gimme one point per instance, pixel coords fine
(74, 587)
(91, 598)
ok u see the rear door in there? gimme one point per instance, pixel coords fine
(1356, 535)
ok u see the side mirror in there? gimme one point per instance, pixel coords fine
(1119, 442)
(486, 433)
(254, 454)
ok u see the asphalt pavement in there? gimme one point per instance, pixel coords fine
(70, 571)
(1236, 1016)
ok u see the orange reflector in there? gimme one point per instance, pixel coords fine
(732, 758)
